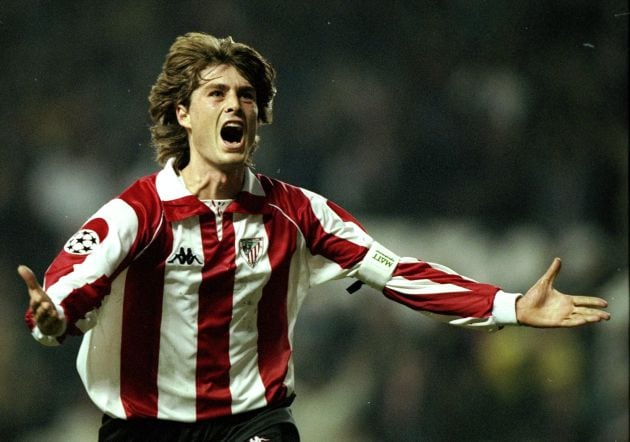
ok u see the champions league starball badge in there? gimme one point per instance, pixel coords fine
(82, 242)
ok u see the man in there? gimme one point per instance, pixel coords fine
(187, 286)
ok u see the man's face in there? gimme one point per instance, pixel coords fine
(222, 118)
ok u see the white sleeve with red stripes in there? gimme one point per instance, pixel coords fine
(444, 295)
(86, 270)
(433, 289)
(336, 240)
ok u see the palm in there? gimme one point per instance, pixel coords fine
(544, 306)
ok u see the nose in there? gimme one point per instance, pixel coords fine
(232, 102)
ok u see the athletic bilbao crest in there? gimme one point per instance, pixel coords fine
(251, 249)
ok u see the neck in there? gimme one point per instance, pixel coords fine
(209, 184)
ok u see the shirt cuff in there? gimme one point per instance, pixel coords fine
(504, 308)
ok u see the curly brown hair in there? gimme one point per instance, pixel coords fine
(187, 57)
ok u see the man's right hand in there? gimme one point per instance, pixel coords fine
(42, 307)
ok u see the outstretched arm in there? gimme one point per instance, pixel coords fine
(544, 306)
(42, 307)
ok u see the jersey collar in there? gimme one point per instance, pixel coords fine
(180, 204)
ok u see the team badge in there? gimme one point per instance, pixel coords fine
(82, 242)
(251, 249)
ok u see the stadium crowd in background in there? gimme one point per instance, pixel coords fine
(562, 136)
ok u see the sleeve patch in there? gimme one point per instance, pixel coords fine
(87, 238)
(82, 242)
(378, 266)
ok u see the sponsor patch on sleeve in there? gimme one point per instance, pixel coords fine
(378, 266)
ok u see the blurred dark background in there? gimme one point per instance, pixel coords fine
(488, 136)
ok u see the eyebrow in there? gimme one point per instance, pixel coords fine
(209, 84)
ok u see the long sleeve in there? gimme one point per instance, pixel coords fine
(80, 276)
(446, 296)
(340, 247)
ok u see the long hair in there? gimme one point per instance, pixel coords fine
(187, 57)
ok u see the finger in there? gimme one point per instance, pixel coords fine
(29, 277)
(589, 301)
(34, 304)
(591, 314)
(578, 320)
(44, 310)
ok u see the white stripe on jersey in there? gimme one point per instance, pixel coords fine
(246, 385)
(176, 380)
(440, 267)
(422, 286)
(297, 279)
(100, 372)
(330, 221)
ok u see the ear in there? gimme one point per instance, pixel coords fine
(183, 117)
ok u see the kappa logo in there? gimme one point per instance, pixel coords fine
(257, 439)
(251, 249)
(82, 243)
(185, 257)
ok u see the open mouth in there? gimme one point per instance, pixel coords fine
(232, 133)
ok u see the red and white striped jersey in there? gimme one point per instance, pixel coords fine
(188, 313)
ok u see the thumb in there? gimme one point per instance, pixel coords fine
(552, 271)
(29, 277)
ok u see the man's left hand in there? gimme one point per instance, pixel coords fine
(544, 306)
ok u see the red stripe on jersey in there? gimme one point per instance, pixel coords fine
(476, 302)
(215, 313)
(330, 246)
(274, 348)
(142, 317)
(320, 242)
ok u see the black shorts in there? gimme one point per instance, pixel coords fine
(274, 423)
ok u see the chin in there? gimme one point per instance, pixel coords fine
(234, 161)
(237, 156)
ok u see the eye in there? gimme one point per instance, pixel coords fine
(248, 95)
(215, 93)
